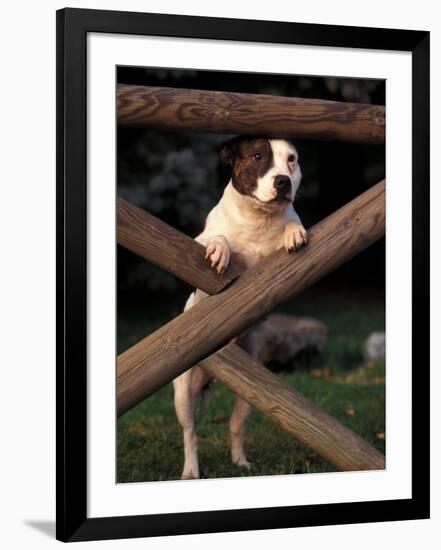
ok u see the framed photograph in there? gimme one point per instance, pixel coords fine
(242, 231)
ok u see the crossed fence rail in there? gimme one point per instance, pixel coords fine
(240, 299)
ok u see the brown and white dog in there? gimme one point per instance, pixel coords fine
(254, 217)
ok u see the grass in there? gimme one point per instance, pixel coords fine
(149, 440)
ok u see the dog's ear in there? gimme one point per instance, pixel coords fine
(228, 150)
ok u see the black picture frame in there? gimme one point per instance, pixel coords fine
(72, 523)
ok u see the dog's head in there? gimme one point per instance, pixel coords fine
(265, 169)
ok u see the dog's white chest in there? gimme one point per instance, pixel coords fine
(252, 246)
(249, 240)
(251, 233)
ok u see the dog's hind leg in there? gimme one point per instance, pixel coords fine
(238, 420)
(184, 405)
(241, 409)
(186, 388)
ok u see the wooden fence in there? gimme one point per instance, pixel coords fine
(234, 113)
(239, 300)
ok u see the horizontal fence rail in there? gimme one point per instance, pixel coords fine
(237, 370)
(203, 329)
(163, 245)
(176, 109)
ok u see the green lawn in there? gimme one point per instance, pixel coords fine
(149, 445)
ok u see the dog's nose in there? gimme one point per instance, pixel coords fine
(282, 183)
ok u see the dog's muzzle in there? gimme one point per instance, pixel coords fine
(282, 185)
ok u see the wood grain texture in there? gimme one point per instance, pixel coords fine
(237, 370)
(211, 324)
(158, 242)
(175, 109)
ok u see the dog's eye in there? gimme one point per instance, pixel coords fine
(291, 158)
(257, 156)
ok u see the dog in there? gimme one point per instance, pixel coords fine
(254, 217)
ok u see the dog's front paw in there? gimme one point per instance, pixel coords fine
(218, 253)
(296, 236)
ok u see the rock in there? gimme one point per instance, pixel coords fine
(282, 337)
(374, 347)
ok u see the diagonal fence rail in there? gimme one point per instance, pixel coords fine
(253, 382)
(293, 412)
(161, 244)
(200, 331)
